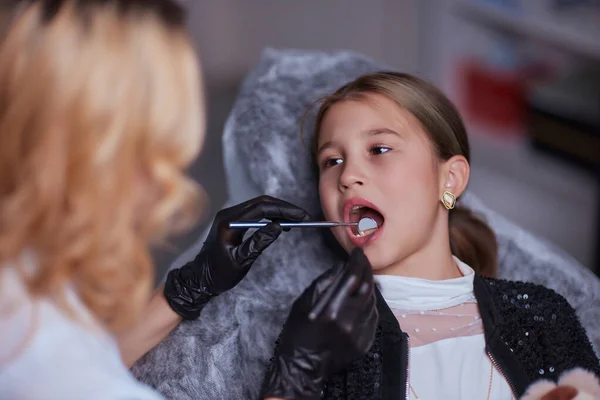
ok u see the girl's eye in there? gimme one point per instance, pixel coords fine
(331, 162)
(379, 149)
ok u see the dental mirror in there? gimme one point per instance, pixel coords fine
(366, 226)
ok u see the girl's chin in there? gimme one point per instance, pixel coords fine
(372, 254)
(375, 258)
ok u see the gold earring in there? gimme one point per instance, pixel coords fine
(448, 200)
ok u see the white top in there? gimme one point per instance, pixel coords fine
(46, 355)
(447, 346)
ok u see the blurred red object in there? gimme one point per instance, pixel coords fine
(493, 99)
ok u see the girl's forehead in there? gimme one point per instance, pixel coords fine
(372, 112)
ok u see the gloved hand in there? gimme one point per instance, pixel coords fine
(330, 325)
(225, 257)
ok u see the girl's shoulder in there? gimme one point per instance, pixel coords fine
(530, 308)
(540, 327)
(527, 298)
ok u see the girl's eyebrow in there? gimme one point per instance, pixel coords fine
(383, 131)
(324, 147)
(370, 132)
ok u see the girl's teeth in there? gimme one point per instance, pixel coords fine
(367, 232)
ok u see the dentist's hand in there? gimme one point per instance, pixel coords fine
(226, 258)
(330, 325)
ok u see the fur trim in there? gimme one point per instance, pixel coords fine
(585, 384)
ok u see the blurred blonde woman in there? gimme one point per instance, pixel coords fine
(100, 112)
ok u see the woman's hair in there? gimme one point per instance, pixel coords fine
(471, 239)
(101, 110)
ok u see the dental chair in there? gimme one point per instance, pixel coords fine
(223, 354)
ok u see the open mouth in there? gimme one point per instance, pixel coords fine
(358, 212)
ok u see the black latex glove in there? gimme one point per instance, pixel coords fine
(330, 325)
(225, 257)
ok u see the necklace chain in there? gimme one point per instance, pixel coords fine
(489, 390)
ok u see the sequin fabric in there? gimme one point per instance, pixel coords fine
(539, 328)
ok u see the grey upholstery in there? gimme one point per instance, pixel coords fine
(223, 354)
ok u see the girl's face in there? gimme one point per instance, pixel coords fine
(376, 160)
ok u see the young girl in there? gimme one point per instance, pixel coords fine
(392, 147)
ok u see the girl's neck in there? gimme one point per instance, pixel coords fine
(433, 262)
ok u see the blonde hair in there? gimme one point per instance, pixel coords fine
(471, 239)
(101, 110)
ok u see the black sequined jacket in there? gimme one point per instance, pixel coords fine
(531, 332)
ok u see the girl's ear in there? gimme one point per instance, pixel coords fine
(455, 175)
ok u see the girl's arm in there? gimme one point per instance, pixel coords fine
(157, 321)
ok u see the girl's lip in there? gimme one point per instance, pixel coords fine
(359, 241)
(356, 201)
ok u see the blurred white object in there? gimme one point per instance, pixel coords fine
(586, 384)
